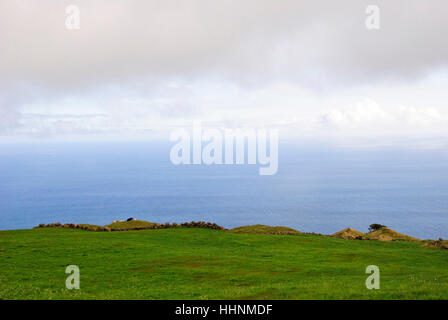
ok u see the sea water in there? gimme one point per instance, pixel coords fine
(316, 189)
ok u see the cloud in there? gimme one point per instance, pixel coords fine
(134, 60)
(250, 41)
(365, 114)
(368, 116)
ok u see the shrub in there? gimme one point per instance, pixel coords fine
(376, 226)
(89, 227)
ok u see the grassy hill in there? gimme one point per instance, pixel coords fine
(199, 263)
(262, 229)
(387, 234)
(348, 233)
(123, 225)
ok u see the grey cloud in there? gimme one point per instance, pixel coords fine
(136, 44)
(244, 41)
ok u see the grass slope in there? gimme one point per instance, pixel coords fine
(193, 263)
(387, 234)
(131, 224)
(262, 229)
(348, 233)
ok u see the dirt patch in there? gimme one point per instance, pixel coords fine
(194, 265)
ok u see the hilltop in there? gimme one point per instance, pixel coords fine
(380, 233)
(131, 225)
(387, 234)
(348, 233)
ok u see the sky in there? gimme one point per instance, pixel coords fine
(138, 69)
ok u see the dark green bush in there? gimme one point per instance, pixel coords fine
(376, 226)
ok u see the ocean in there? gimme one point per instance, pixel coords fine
(316, 189)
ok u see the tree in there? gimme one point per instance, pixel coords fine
(376, 226)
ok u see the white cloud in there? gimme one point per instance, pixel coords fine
(147, 66)
(369, 115)
(362, 115)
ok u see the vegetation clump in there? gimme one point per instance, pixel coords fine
(142, 225)
(133, 225)
(376, 226)
(87, 227)
(438, 244)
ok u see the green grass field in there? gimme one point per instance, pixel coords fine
(193, 263)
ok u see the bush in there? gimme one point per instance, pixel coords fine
(89, 227)
(376, 226)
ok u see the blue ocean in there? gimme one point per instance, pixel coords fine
(316, 189)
